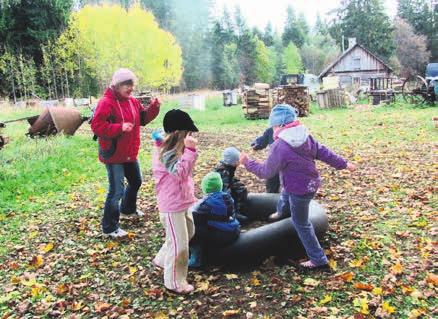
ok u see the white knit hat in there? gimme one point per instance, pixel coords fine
(122, 75)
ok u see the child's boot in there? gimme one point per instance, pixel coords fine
(195, 260)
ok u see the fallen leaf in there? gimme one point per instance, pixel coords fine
(377, 291)
(37, 261)
(333, 264)
(397, 269)
(311, 282)
(363, 286)
(255, 281)
(230, 313)
(253, 304)
(101, 306)
(48, 248)
(362, 304)
(161, 315)
(61, 289)
(231, 276)
(407, 290)
(347, 276)
(432, 279)
(388, 308)
(326, 299)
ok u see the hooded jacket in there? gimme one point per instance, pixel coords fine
(293, 155)
(116, 146)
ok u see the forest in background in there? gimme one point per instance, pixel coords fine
(66, 48)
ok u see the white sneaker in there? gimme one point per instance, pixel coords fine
(137, 214)
(118, 233)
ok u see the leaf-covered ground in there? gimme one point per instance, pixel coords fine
(380, 242)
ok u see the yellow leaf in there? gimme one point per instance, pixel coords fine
(326, 299)
(229, 313)
(333, 264)
(15, 280)
(387, 308)
(407, 290)
(255, 281)
(231, 276)
(311, 282)
(61, 289)
(202, 285)
(37, 261)
(397, 269)
(347, 276)
(253, 304)
(48, 247)
(36, 291)
(132, 270)
(377, 291)
(101, 191)
(33, 234)
(357, 263)
(161, 315)
(362, 304)
(416, 313)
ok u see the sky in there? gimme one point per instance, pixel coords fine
(259, 12)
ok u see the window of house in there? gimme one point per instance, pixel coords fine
(356, 63)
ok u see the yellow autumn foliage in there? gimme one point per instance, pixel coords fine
(111, 37)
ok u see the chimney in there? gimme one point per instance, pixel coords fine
(351, 42)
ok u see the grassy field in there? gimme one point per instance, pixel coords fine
(54, 263)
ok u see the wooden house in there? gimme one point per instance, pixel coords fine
(356, 66)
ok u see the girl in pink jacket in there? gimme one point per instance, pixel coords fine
(172, 166)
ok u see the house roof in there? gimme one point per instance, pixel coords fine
(327, 69)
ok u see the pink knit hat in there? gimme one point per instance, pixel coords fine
(122, 75)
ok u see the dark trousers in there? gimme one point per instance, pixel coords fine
(117, 191)
(210, 238)
(273, 184)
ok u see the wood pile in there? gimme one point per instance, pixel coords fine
(257, 102)
(295, 95)
(144, 98)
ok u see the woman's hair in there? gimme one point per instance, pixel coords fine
(127, 82)
(174, 140)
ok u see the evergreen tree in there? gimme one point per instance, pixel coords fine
(26, 24)
(366, 21)
(293, 32)
(268, 35)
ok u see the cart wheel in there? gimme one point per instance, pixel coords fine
(414, 90)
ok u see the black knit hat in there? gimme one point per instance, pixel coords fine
(177, 120)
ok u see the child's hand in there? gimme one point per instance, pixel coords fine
(351, 167)
(243, 158)
(127, 127)
(190, 141)
(155, 102)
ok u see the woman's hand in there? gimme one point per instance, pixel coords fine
(127, 127)
(243, 158)
(190, 141)
(351, 167)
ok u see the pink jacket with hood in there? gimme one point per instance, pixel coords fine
(174, 180)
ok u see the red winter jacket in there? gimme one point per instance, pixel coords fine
(107, 125)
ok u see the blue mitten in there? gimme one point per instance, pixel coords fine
(157, 135)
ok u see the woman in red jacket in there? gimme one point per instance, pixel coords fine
(116, 122)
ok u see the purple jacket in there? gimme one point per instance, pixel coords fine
(293, 155)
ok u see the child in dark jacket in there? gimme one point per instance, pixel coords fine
(238, 191)
(293, 155)
(261, 142)
(214, 218)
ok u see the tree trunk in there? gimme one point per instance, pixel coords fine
(13, 81)
(66, 84)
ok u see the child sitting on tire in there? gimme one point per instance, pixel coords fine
(238, 191)
(215, 222)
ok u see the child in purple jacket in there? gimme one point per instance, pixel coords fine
(293, 155)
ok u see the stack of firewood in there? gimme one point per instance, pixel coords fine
(257, 102)
(295, 95)
(144, 97)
